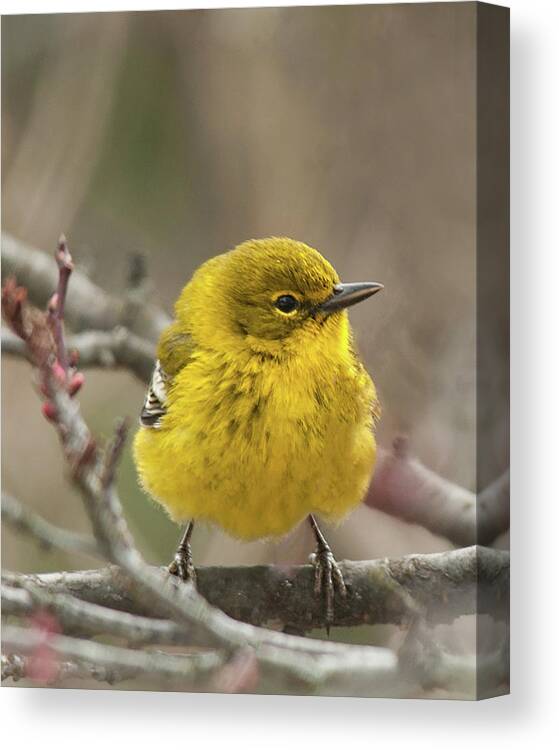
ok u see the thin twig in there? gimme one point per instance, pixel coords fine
(57, 302)
(113, 453)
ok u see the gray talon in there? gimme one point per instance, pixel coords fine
(183, 567)
(328, 578)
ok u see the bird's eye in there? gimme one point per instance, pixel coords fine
(286, 303)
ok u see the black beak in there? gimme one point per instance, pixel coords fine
(349, 294)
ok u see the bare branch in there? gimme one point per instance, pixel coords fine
(404, 487)
(47, 534)
(57, 302)
(25, 595)
(28, 323)
(442, 586)
(189, 671)
(87, 305)
(13, 345)
(423, 660)
(89, 659)
(21, 667)
(82, 618)
(493, 509)
(103, 349)
(113, 453)
(117, 348)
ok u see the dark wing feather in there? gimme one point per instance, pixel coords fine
(175, 352)
(154, 404)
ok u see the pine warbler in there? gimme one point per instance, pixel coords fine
(259, 413)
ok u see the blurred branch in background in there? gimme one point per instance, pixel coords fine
(405, 488)
(88, 307)
(103, 349)
(47, 534)
(238, 654)
(102, 662)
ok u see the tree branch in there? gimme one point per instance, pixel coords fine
(114, 349)
(423, 668)
(88, 306)
(403, 487)
(441, 586)
(20, 667)
(82, 618)
(48, 535)
(190, 671)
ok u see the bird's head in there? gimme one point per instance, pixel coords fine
(266, 292)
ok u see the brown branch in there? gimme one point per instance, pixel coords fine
(442, 586)
(27, 323)
(403, 487)
(57, 302)
(88, 306)
(25, 595)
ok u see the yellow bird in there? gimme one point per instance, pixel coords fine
(259, 413)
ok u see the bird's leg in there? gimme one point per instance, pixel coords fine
(182, 565)
(327, 574)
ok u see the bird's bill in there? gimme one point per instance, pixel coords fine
(349, 294)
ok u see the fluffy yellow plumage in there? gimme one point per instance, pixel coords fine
(260, 413)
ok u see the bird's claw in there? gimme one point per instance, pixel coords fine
(183, 567)
(328, 578)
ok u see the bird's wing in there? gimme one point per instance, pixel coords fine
(154, 404)
(175, 351)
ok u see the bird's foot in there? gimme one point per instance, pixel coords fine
(182, 565)
(328, 578)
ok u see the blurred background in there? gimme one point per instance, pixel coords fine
(178, 135)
